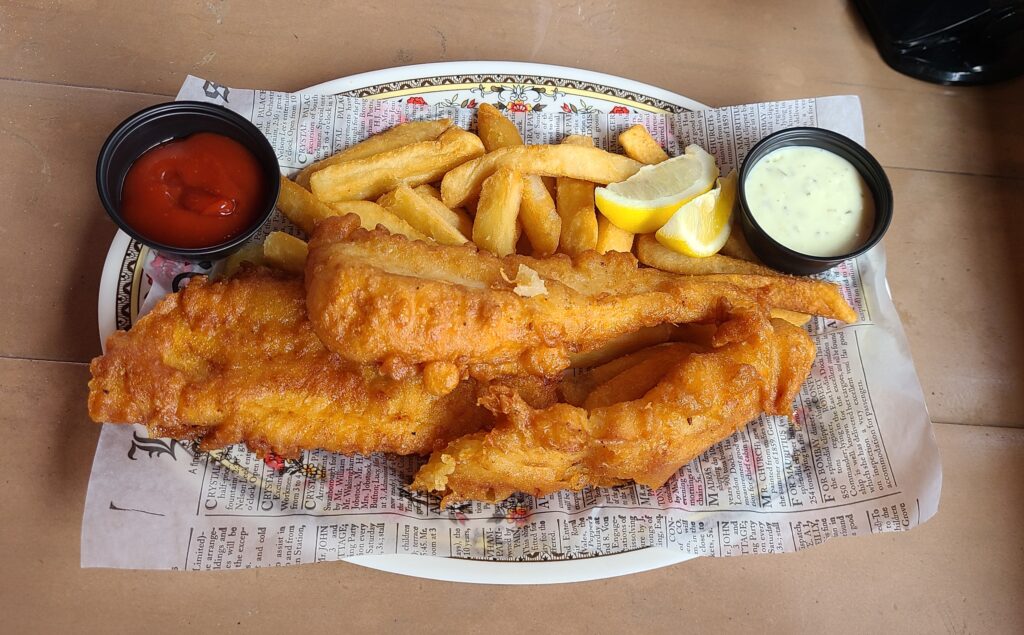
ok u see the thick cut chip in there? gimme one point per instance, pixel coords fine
(588, 164)
(457, 218)
(412, 165)
(305, 211)
(285, 252)
(494, 228)
(575, 204)
(638, 144)
(301, 207)
(392, 138)
(541, 222)
(612, 238)
(371, 215)
(421, 215)
(495, 130)
(652, 253)
(537, 213)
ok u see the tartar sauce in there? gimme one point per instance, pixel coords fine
(810, 200)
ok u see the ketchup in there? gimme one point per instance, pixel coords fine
(193, 192)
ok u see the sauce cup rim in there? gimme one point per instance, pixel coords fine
(254, 141)
(866, 164)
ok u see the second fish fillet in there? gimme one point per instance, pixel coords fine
(380, 298)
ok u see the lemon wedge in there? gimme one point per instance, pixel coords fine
(700, 227)
(645, 201)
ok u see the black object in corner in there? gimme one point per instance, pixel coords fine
(949, 41)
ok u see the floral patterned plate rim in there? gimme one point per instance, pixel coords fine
(512, 86)
(516, 86)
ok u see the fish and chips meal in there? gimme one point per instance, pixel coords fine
(530, 317)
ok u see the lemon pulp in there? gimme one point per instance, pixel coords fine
(701, 226)
(645, 201)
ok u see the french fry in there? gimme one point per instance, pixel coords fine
(285, 251)
(412, 165)
(401, 135)
(495, 130)
(736, 245)
(305, 211)
(576, 388)
(551, 183)
(638, 144)
(537, 214)
(541, 222)
(612, 238)
(588, 164)
(457, 218)
(301, 207)
(428, 190)
(494, 227)
(575, 205)
(523, 245)
(652, 253)
(421, 215)
(579, 231)
(633, 383)
(371, 215)
(787, 296)
(251, 253)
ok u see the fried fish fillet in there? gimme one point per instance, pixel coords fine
(380, 298)
(705, 396)
(238, 361)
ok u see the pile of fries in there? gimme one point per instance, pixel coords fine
(431, 180)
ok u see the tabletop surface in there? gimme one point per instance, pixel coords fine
(70, 71)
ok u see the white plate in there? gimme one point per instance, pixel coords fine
(514, 86)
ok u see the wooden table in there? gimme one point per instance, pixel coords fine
(71, 71)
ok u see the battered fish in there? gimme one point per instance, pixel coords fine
(380, 298)
(702, 399)
(238, 361)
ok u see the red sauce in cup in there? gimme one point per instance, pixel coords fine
(193, 192)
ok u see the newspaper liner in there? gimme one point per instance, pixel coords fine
(862, 458)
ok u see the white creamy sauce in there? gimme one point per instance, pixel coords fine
(810, 200)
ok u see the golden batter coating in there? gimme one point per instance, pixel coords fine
(380, 298)
(699, 397)
(238, 361)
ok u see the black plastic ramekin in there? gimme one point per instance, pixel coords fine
(775, 254)
(175, 120)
